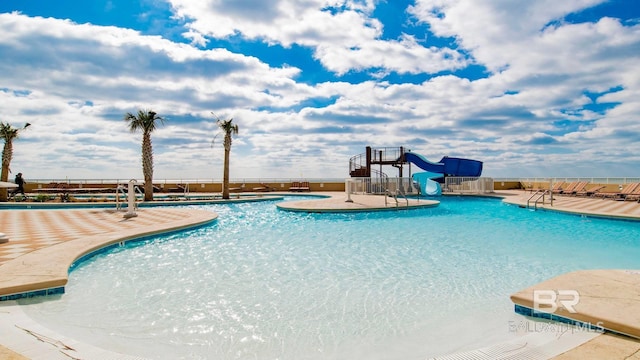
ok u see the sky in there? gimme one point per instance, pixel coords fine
(541, 88)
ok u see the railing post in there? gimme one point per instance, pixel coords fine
(347, 185)
(131, 204)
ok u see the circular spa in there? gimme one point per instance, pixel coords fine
(262, 283)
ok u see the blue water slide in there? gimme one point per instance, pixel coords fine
(424, 164)
(449, 166)
(428, 185)
(461, 167)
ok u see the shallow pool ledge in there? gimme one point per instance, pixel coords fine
(600, 299)
(338, 203)
(45, 270)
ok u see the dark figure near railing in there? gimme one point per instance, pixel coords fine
(20, 182)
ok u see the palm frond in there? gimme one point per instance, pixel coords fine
(145, 120)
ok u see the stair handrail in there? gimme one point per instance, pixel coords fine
(532, 196)
(138, 192)
(118, 189)
(540, 195)
(355, 162)
(403, 193)
(377, 155)
(393, 195)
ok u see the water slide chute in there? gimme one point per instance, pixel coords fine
(449, 166)
(428, 185)
(426, 180)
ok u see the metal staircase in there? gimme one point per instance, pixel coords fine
(360, 165)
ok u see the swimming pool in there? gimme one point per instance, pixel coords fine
(264, 283)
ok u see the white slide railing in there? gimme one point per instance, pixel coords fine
(471, 185)
(380, 185)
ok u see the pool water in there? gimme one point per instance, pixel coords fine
(262, 283)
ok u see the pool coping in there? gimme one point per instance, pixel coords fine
(356, 203)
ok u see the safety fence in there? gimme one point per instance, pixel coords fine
(473, 185)
(382, 185)
(405, 185)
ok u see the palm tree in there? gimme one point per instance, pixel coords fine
(145, 120)
(7, 133)
(229, 128)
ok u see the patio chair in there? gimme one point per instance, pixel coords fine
(580, 186)
(236, 188)
(590, 191)
(295, 186)
(568, 189)
(177, 188)
(263, 188)
(622, 194)
(634, 195)
(557, 187)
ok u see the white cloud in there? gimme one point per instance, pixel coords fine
(486, 27)
(124, 71)
(74, 82)
(342, 41)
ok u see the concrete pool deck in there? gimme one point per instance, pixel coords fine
(43, 243)
(338, 203)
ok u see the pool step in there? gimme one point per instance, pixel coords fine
(543, 343)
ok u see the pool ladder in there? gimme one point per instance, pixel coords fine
(122, 189)
(539, 195)
(394, 195)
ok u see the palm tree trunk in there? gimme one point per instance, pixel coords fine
(147, 166)
(225, 176)
(7, 154)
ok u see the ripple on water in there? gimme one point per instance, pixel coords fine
(263, 283)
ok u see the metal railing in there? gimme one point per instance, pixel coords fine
(393, 193)
(539, 195)
(474, 185)
(404, 194)
(379, 186)
(378, 155)
(390, 194)
(122, 189)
